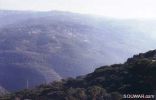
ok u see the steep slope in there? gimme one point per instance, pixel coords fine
(136, 76)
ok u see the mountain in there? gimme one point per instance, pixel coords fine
(40, 47)
(136, 76)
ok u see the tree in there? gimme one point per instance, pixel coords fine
(96, 92)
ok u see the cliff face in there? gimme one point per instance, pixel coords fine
(136, 76)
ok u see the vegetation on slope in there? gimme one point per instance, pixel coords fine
(136, 76)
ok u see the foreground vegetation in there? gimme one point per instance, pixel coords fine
(136, 76)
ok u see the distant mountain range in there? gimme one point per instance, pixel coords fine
(40, 47)
(137, 76)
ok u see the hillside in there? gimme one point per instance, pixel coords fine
(40, 47)
(136, 76)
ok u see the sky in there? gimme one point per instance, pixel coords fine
(109, 8)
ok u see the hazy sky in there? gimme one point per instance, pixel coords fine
(109, 8)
